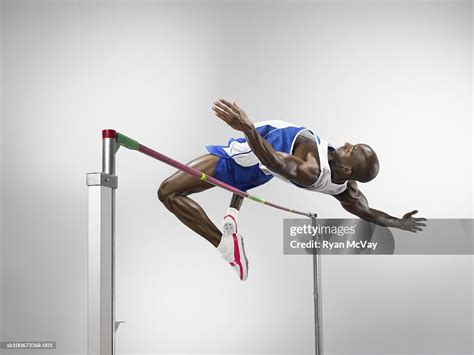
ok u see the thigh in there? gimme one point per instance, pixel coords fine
(182, 183)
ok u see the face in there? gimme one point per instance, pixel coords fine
(357, 161)
(349, 154)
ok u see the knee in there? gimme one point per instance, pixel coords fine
(165, 192)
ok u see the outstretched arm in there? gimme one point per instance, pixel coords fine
(287, 165)
(354, 201)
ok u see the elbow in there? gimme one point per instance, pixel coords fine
(275, 165)
(367, 218)
(365, 215)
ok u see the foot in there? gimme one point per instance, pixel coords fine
(229, 224)
(232, 249)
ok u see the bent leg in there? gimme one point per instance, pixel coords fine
(236, 201)
(174, 191)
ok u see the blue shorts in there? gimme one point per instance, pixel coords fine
(241, 177)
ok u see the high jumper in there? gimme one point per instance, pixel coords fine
(270, 149)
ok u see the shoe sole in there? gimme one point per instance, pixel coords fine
(241, 255)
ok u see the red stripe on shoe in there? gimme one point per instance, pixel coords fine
(237, 255)
(229, 215)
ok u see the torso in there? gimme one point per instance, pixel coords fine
(306, 148)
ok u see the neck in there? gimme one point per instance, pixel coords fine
(335, 176)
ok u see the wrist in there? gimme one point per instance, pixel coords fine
(248, 128)
(398, 223)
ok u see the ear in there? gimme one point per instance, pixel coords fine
(348, 170)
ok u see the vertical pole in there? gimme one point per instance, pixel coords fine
(318, 315)
(101, 258)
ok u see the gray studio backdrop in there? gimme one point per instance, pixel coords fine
(395, 75)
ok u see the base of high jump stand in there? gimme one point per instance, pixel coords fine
(101, 322)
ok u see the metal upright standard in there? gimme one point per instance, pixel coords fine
(101, 258)
(101, 322)
(318, 307)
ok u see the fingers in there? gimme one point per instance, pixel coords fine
(222, 111)
(232, 108)
(219, 109)
(417, 227)
(227, 103)
(409, 215)
(226, 106)
(238, 109)
(414, 225)
(221, 114)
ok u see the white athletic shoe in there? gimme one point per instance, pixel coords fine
(229, 225)
(232, 249)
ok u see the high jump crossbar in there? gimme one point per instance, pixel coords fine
(101, 324)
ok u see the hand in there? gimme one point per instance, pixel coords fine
(407, 222)
(232, 114)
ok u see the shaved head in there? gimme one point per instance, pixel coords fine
(366, 166)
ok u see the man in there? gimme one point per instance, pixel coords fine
(274, 148)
